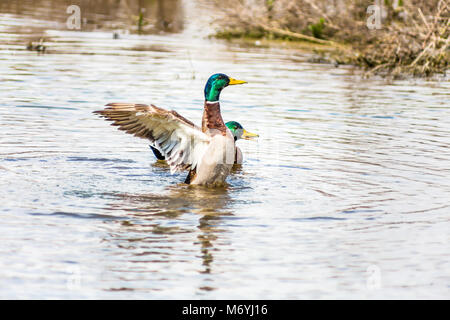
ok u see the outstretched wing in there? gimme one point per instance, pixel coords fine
(178, 139)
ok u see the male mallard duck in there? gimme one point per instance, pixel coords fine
(237, 131)
(208, 152)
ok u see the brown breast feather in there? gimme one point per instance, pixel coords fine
(212, 119)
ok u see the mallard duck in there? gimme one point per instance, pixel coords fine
(208, 152)
(237, 131)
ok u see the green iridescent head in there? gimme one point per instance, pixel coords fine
(239, 132)
(216, 83)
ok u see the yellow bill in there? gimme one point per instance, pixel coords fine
(234, 81)
(248, 135)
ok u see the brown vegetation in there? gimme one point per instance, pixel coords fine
(384, 36)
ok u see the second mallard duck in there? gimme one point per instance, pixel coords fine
(208, 152)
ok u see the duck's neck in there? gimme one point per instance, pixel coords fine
(212, 119)
(212, 92)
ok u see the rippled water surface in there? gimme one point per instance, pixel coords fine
(344, 195)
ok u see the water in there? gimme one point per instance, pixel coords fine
(344, 195)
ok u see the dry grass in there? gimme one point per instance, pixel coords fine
(411, 37)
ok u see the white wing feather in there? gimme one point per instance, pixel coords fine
(178, 139)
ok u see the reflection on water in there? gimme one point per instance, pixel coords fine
(349, 175)
(156, 214)
(181, 199)
(142, 16)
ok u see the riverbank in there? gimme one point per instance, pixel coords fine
(390, 37)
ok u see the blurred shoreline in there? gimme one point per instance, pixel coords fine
(135, 16)
(386, 37)
(408, 39)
